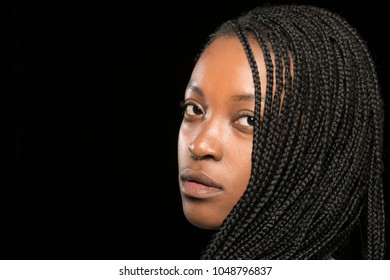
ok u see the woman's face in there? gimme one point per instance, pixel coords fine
(215, 137)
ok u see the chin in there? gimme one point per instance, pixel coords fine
(204, 226)
(203, 222)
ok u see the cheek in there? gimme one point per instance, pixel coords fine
(242, 169)
(182, 145)
(236, 174)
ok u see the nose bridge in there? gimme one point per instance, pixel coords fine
(207, 140)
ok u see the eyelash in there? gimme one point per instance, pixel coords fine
(183, 106)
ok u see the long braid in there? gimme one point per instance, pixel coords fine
(375, 206)
(317, 149)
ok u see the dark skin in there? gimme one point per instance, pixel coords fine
(216, 134)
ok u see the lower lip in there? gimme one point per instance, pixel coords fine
(197, 190)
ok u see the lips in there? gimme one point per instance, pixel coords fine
(198, 185)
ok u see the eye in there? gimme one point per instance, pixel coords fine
(191, 109)
(246, 120)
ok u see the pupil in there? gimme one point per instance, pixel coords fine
(251, 120)
(197, 110)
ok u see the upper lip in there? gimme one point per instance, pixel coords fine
(199, 177)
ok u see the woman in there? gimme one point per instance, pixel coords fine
(280, 147)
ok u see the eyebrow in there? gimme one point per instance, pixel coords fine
(243, 97)
(195, 89)
(239, 97)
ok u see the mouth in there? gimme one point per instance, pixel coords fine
(197, 184)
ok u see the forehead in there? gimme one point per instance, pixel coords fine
(228, 49)
(224, 63)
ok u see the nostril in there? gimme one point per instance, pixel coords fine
(194, 156)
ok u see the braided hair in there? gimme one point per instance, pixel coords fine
(317, 148)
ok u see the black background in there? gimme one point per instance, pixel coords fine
(90, 104)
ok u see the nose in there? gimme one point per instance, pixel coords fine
(207, 143)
